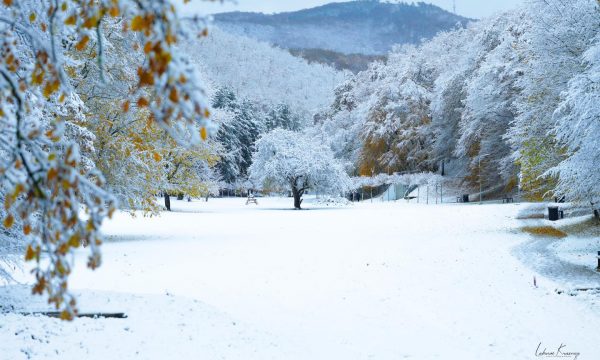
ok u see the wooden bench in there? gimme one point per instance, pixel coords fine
(507, 200)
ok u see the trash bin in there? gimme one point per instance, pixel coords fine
(553, 213)
(465, 198)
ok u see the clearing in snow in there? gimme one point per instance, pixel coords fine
(221, 280)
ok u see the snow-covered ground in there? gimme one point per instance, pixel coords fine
(222, 280)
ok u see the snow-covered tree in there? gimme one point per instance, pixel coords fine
(489, 97)
(264, 74)
(282, 116)
(45, 172)
(577, 128)
(240, 123)
(506, 101)
(297, 162)
(555, 36)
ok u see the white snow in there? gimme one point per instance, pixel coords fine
(222, 280)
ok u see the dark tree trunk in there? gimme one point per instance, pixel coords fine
(168, 202)
(297, 200)
(297, 194)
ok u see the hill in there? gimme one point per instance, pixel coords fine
(367, 27)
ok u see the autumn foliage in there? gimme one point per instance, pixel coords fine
(52, 191)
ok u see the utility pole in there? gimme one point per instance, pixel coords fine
(480, 184)
(480, 187)
(372, 174)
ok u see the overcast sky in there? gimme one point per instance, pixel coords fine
(469, 8)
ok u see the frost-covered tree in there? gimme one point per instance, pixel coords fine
(52, 193)
(297, 162)
(240, 123)
(184, 170)
(577, 128)
(504, 101)
(342, 124)
(281, 116)
(555, 36)
(398, 121)
(264, 74)
(489, 96)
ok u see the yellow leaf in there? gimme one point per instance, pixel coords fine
(9, 221)
(157, 157)
(137, 23)
(170, 39)
(65, 315)
(114, 11)
(90, 22)
(74, 241)
(50, 88)
(71, 20)
(203, 133)
(146, 77)
(27, 229)
(148, 47)
(37, 76)
(30, 253)
(32, 17)
(52, 174)
(60, 268)
(173, 96)
(111, 212)
(143, 102)
(82, 43)
(7, 2)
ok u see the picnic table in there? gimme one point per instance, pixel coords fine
(251, 200)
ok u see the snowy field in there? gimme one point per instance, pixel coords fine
(221, 280)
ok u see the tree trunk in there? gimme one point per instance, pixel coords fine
(297, 194)
(168, 202)
(297, 200)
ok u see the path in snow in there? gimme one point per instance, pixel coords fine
(538, 253)
(372, 281)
